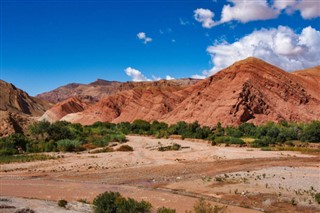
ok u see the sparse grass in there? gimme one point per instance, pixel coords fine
(166, 210)
(24, 158)
(173, 147)
(248, 140)
(266, 149)
(290, 148)
(297, 149)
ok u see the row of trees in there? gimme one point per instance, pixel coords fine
(64, 136)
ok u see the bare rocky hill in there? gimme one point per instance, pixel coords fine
(95, 91)
(250, 90)
(17, 109)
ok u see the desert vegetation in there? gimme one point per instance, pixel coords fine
(67, 137)
(114, 202)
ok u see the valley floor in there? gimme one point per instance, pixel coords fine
(241, 179)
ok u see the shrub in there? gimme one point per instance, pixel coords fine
(203, 207)
(8, 152)
(118, 137)
(229, 140)
(113, 202)
(102, 141)
(67, 145)
(173, 147)
(317, 197)
(125, 148)
(165, 210)
(62, 203)
(311, 132)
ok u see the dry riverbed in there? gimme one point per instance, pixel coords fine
(243, 179)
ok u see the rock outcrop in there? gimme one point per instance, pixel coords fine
(18, 109)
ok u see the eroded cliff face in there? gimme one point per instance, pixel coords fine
(18, 101)
(18, 109)
(61, 109)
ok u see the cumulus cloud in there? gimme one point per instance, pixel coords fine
(204, 16)
(168, 77)
(245, 11)
(252, 10)
(280, 46)
(136, 75)
(142, 36)
(307, 9)
(198, 76)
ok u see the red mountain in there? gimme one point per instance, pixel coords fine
(250, 90)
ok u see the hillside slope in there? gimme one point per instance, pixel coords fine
(18, 109)
(250, 90)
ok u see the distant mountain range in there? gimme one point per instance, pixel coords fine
(250, 90)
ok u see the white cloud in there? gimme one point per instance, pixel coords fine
(136, 75)
(142, 36)
(155, 78)
(168, 77)
(280, 46)
(204, 16)
(245, 11)
(198, 76)
(252, 10)
(308, 9)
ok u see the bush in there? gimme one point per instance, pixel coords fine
(229, 140)
(67, 145)
(317, 197)
(102, 141)
(113, 202)
(125, 148)
(263, 142)
(118, 137)
(62, 203)
(202, 207)
(311, 132)
(173, 147)
(165, 210)
(8, 152)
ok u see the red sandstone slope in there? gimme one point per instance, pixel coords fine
(61, 109)
(148, 102)
(134, 88)
(314, 71)
(97, 90)
(250, 90)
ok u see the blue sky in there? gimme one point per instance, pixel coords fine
(46, 44)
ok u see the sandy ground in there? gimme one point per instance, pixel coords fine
(252, 180)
